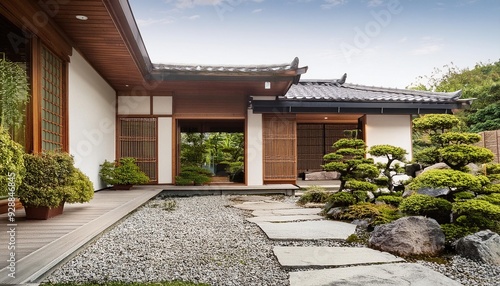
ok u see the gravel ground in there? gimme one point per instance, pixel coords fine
(206, 240)
(202, 240)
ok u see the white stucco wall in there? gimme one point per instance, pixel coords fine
(91, 118)
(165, 150)
(389, 129)
(254, 148)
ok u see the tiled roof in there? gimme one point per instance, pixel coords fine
(334, 90)
(228, 69)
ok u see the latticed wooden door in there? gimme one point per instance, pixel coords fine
(138, 138)
(280, 148)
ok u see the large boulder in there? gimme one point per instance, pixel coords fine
(408, 236)
(434, 192)
(436, 166)
(481, 246)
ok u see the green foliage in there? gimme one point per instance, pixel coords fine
(492, 198)
(456, 138)
(11, 162)
(341, 199)
(487, 118)
(349, 161)
(452, 232)
(356, 239)
(478, 213)
(481, 82)
(193, 175)
(447, 178)
(360, 196)
(435, 123)
(378, 214)
(362, 186)
(390, 200)
(436, 208)
(80, 189)
(463, 196)
(166, 205)
(48, 177)
(122, 172)
(314, 194)
(391, 154)
(193, 148)
(14, 94)
(457, 156)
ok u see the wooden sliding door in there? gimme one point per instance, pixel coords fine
(280, 148)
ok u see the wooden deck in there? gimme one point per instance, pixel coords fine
(41, 245)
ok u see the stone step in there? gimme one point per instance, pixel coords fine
(287, 212)
(312, 256)
(307, 230)
(284, 218)
(265, 205)
(408, 274)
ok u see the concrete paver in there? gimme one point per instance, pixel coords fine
(286, 212)
(284, 218)
(307, 230)
(265, 205)
(383, 275)
(331, 256)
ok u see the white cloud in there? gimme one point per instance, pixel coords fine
(194, 17)
(182, 4)
(257, 10)
(150, 21)
(375, 3)
(428, 45)
(332, 3)
(403, 39)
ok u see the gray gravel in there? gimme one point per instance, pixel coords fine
(206, 240)
(202, 240)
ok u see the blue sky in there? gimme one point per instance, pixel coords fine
(376, 42)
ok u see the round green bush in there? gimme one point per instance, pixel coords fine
(81, 189)
(424, 205)
(341, 199)
(378, 214)
(492, 199)
(447, 178)
(477, 213)
(390, 200)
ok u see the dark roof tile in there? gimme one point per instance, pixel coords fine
(324, 90)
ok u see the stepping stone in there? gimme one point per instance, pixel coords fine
(284, 218)
(330, 256)
(250, 198)
(267, 205)
(307, 230)
(287, 212)
(386, 274)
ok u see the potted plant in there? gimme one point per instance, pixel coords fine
(12, 171)
(50, 181)
(122, 174)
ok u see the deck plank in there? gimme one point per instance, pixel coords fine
(41, 245)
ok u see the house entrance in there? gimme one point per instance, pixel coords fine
(216, 146)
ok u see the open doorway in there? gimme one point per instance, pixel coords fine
(215, 148)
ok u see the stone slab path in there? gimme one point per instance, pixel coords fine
(311, 256)
(344, 265)
(397, 274)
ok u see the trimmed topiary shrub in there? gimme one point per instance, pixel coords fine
(477, 213)
(81, 189)
(452, 232)
(463, 196)
(390, 168)
(12, 168)
(456, 181)
(122, 172)
(341, 199)
(492, 199)
(423, 205)
(193, 175)
(377, 214)
(390, 200)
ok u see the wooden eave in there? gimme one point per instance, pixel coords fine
(109, 39)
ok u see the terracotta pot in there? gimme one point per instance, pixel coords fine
(122, 187)
(43, 212)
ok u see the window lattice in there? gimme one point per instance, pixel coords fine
(52, 101)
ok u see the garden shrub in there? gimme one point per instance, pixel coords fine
(492, 198)
(446, 178)
(11, 162)
(462, 196)
(313, 194)
(493, 172)
(190, 175)
(490, 189)
(125, 171)
(81, 189)
(341, 199)
(390, 200)
(360, 196)
(390, 168)
(424, 205)
(377, 214)
(452, 232)
(477, 213)
(355, 185)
